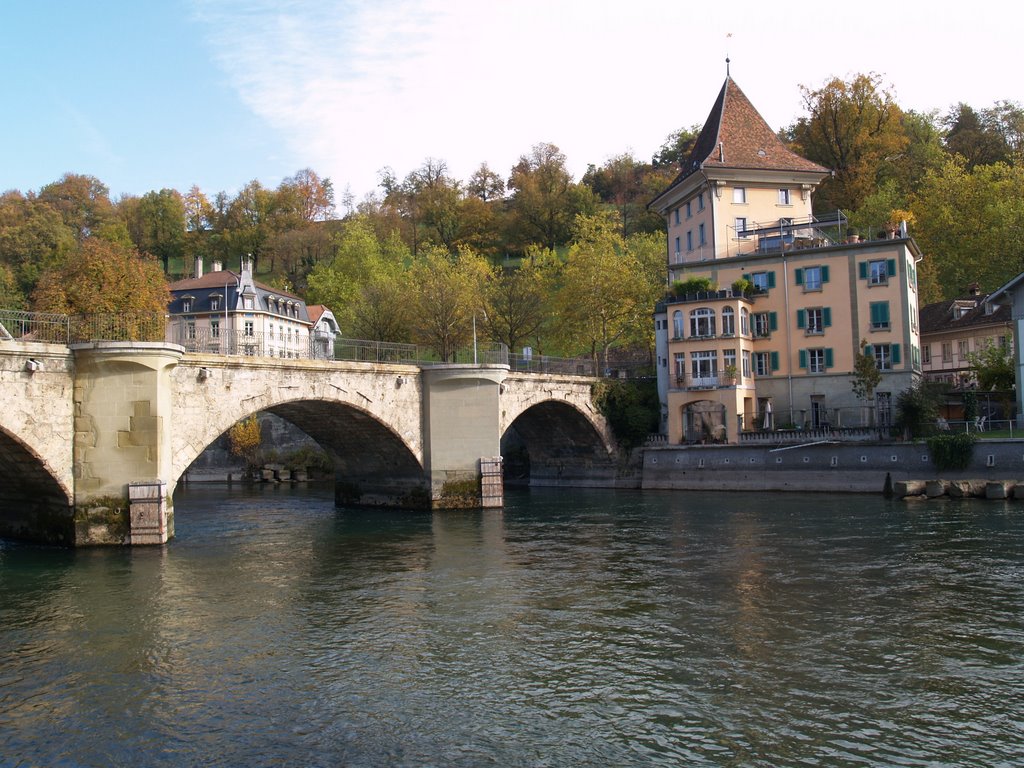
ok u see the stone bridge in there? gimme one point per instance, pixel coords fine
(95, 437)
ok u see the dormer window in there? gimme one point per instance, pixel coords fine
(214, 303)
(186, 303)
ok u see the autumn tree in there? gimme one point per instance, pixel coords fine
(309, 196)
(245, 438)
(83, 203)
(852, 127)
(33, 239)
(676, 148)
(516, 304)
(485, 184)
(545, 200)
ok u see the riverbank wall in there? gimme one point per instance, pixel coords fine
(828, 467)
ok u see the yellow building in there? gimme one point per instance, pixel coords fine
(773, 345)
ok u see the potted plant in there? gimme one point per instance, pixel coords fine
(729, 375)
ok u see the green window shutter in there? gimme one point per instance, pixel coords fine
(801, 318)
(828, 357)
(826, 316)
(869, 350)
(824, 273)
(895, 353)
(890, 267)
(862, 270)
(745, 276)
(885, 312)
(799, 276)
(775, 361)
(803, 358)
(771, 279)
(773, 321)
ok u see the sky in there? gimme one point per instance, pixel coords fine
(146, 95)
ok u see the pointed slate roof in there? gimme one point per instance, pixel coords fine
(736, 136)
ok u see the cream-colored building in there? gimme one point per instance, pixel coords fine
(782, 354)
(228, 312)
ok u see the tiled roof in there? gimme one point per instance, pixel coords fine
(221, 278)
(939, 317)
(736, 136)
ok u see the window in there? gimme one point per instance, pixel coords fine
(812, 278)
(677, 248)
(878, 271)
(249, 329)
(215, 303)
(676, 216)
(947, 352)
(744, 321)
(186, 305)
(745, 358)
(962, 349)
(762, 281)
(680, 361)
(741, 227)
(883, 357)
(677, 324)
(926, 354)
(879, 315)
(700, 202)
(247, 302)
(814, 320)
(689, 208)
(816, 360)
(784, 197)
(215, 328)
(762, 364)
(702, 322)
(764, 324)
(190, 329)
(703, 239)
(689, 240)
(729, 358)
(739, 194)
(728, 321)
(704, 368)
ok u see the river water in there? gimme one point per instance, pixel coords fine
(575, 628)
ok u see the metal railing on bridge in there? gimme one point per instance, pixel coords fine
(69, 329)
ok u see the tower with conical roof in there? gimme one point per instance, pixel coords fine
(738, 177)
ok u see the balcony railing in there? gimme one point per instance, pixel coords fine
(712, 381)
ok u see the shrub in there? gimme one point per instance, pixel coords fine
(952, 451)
(631, 407)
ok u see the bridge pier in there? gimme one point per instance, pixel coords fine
(122, 442)
(462, 435)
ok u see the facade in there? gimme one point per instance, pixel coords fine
(225, 312)
(954, 329)
(773, 344)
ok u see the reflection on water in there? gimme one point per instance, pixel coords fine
(574, 628)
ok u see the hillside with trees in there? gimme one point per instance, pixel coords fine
(529, 255)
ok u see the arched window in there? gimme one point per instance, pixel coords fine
(677, 324)
(744, 321)
(728, 321)
(702, 322)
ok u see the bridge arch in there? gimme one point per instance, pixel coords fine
(553, 433)
(369, 427)
(35, 502)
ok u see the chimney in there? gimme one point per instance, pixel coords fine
(973, 289)
(199, 266)
(217, 265)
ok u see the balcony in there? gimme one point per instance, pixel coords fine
(788, 234)
(712, 381)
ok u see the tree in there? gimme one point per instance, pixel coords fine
(971, 224)
(199, 224)
(83, 203)
(676, 148)
(310, 197)
(247, 224)
(245, 438)
(975, 137)
(516, 303)
(852, 127)
(545, 200)
(486, 184)
(157, 225)
(103, 278)
(602, 293)
(447, 294)
(866, 376)
(993, 367)
(33, 239)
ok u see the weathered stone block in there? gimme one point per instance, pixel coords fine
(904, 488)
(935, 488)
(999, 489)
